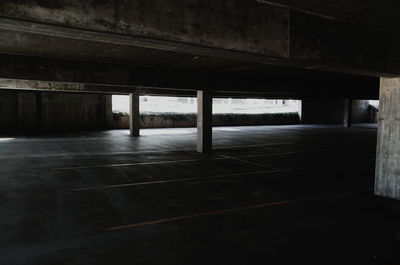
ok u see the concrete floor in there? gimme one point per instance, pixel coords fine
(276, 195)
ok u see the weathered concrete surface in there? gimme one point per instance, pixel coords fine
(73, 111)
(387, 176)
(246, 31)
(27, 111)
(189, 21)
(8, 110)
(31, 111)
(204, 121)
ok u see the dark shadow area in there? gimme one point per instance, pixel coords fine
(286, 195)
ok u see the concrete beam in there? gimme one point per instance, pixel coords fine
(204, 121)
(16, 72)
(387, 175)
(134, 114)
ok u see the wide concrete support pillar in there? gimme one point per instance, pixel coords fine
(347, 114)
(387, 174)
(134, 114)
(204, 121)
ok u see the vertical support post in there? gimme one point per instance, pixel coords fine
(204, 121)
(348, 112)
(300, 111)
(387, 172)
(134, 114)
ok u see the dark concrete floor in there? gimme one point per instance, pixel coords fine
(267, 195)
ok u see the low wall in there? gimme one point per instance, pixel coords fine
(176, 120)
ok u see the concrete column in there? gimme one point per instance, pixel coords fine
(387, 174)
(300, 111)
(348, 107)
(134, 114)
(204, 121)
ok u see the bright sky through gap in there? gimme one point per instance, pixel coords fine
(220, 105)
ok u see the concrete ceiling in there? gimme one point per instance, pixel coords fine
(305, 48)
(372, 13)
(45, 46)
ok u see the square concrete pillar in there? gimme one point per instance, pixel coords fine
(387, 175)
(348, 107)
(134, 114)
(204, 121)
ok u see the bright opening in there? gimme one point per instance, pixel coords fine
(6, 139)
(157, 104)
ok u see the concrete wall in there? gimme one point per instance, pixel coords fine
(323, 111)
(332, 111)
(8, 110)
(29, 111)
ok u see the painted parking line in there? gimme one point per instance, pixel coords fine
(270, 170)
(57, 155)
(171, 181)
(140, 163)
(224, 211)
(221, 157)
(249, 162)
(168, 162)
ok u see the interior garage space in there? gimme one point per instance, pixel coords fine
(251, 132)
(285, 194)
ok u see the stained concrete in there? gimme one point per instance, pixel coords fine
(388, 152)
(245, 31)
(35, 111)
(285, 195)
